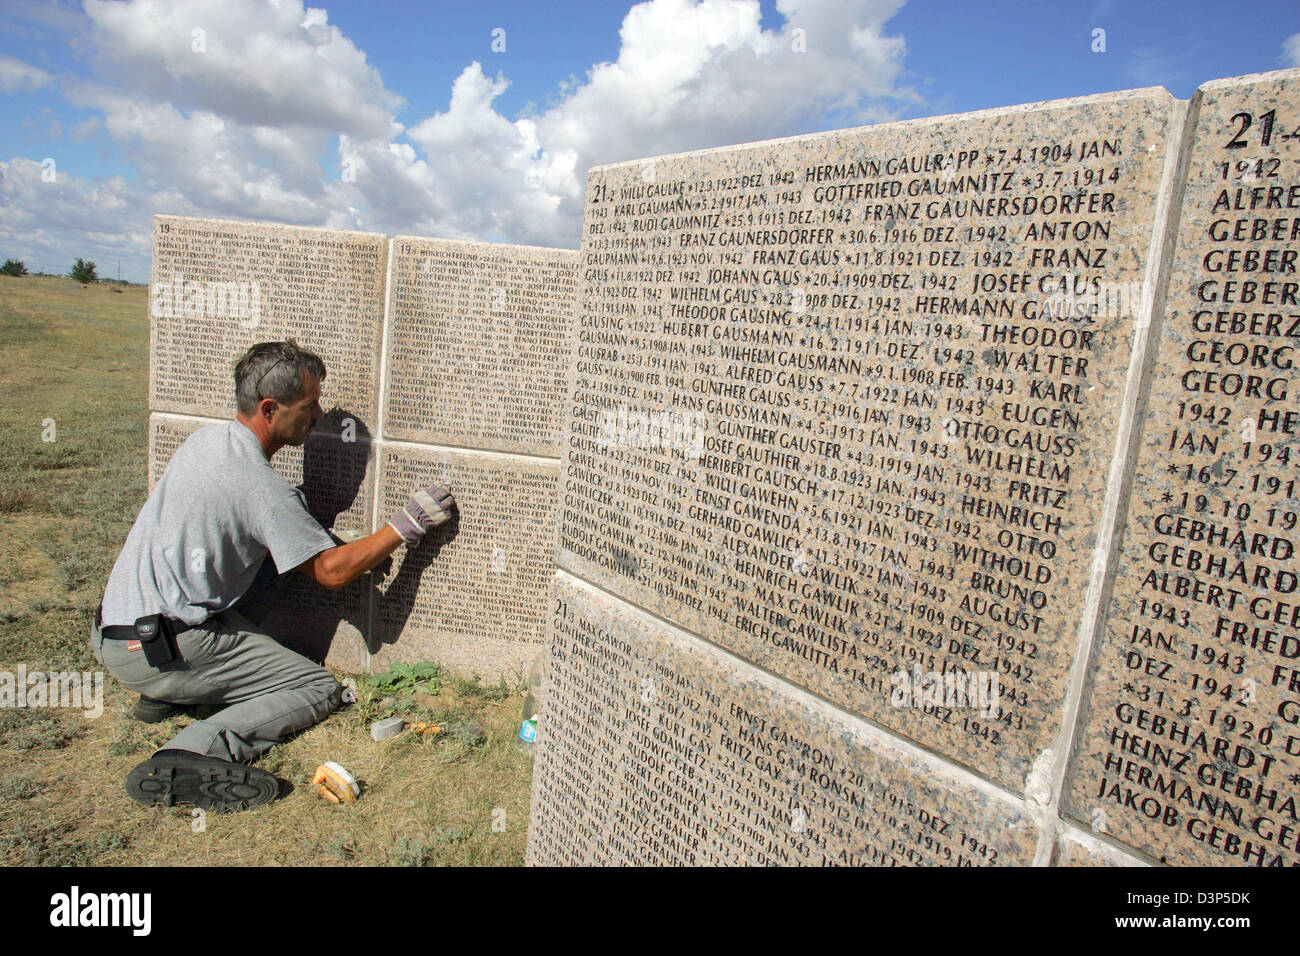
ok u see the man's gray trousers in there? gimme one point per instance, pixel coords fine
(269, 691)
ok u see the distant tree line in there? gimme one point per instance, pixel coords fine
(83, 270)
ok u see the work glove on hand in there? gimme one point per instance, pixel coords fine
(426, 509)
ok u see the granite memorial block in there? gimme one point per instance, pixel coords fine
(478, 344)
(219, 286)
(658, 749)
(327, 626)
(468, 346)
(1189, 747)
(846, 404)
(472, 595)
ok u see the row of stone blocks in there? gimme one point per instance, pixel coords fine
(930, 496)
(445, 364)
(921, 493)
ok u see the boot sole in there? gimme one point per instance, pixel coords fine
(201, 781)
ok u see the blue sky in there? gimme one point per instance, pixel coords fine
(418, 118)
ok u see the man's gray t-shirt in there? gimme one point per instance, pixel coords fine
(197, 544)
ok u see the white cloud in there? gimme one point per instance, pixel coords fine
(17, 75)
(1291, 49)
(84, 129)
(687, 76)
(220, 167)
(233, 121)
(51, 218)
(255, 63)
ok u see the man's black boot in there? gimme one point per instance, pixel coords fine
(170, 777)
(152, 711)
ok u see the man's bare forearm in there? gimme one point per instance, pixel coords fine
(336, 567)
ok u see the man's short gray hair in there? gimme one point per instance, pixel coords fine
(274, 370)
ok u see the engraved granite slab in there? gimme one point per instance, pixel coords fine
(219, 286)
(1190, 747)
(655, 748)
(472, 596)
(845, 404)
(478, 344)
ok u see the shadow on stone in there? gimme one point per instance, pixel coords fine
(292, 608)
(399, 596)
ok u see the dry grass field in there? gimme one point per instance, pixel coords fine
(75, 370)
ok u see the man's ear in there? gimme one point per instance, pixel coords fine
(266, 407)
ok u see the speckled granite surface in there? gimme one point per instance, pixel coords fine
(656, 749)
(1190, 743)
(846, 404)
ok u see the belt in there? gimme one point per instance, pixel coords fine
(155, 634)
(127, 632)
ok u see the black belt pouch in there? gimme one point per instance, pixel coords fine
(157, 638)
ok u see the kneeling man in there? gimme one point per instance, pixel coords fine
(166, 628)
